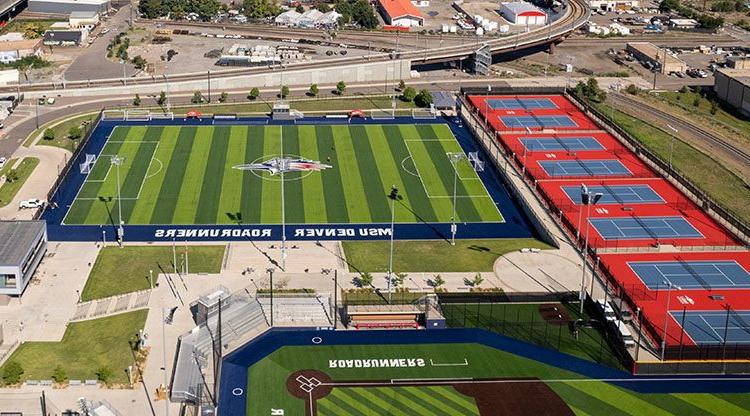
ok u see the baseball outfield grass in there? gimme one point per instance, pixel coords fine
(184, 175)
(270, 385)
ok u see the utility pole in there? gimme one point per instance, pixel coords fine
(209, 86)
(117, 161)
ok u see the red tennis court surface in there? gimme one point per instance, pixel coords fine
(538, 113)
(620, 271)
(570, 143)
(585, 165)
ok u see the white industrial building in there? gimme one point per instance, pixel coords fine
(86, 20)
(22, 246)
(523, 13)
(402, 13)
(613, 5)
(67, 6)
(310, 18)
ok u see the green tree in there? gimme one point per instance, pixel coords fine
(299, 9)
(399, 278)
(137, 100)
(438, 281)
(314, 90)
(323, 7)
(32, 30)
(11, 175)
(258, 9)
(284, 91)
(59, 375)
(75, 133)
(340, 87)
(696, 101)
(49, 134)
(223, 97)
(104, 374)
(423, 98)
(139, 62)
(197, 98)
(12, 372)
(365, 279)
(254, 93)
(408, 94)
(714, 107)
(478, 279)
(162, 98)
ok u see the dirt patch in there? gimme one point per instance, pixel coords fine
(305, 384)
(554, 313)
(515, 397)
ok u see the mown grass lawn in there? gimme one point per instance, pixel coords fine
(123, 270)
(710, 175)
(432, 255)
(10, 188)
(724, 115)
(85, 348)
(61, 130)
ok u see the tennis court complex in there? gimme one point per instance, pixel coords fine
(521, 104)
(612, 167)
(726, 274)
(556, 144)
(715, 327)
(617, 194)
(636, 228)
(515, 122)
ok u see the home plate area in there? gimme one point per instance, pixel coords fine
(424, 396)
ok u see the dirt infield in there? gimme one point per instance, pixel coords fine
(554, 313)
(493, 397)
(511, 397)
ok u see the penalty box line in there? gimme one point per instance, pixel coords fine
(419, 175)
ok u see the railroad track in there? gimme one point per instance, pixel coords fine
(681, 124)
(576, 15)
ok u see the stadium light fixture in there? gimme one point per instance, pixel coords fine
(455, 158)
(586, 199)
(117, 161)
(393, 195)
(670, 285)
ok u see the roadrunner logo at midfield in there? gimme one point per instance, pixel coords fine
(279, 165)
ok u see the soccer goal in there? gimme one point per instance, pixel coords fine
(113, 115)
(383, 114)
(423, 113)
(476, 163)
(87, 164)
(161, 116)
(137, 115)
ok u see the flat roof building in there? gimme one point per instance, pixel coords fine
(400, 13)
(523, 13)
(738, 62)
(648, 52)
(733, 87)
(13, 50)
(65, 7)
(22, 246)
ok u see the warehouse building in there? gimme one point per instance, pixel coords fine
(22, 246)
(65, 37)
(733, 87)
(401, 13)
(523, 13)
(613, 5)
(650, 54)
(13, 50)
(83, 20)
(65, 7)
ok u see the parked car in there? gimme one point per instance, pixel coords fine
(31, 203)
(3, 161)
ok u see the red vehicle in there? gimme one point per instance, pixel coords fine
(357, 113)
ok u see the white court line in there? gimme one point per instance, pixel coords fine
(459, 364)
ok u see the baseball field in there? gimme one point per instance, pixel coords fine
(184, 175)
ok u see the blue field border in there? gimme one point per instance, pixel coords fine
(234, 370)
(515, 225)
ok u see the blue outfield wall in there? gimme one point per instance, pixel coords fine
(516, 224)
(234, 367)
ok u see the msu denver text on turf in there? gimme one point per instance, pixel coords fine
(267, 233)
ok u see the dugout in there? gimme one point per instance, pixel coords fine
(416, 316)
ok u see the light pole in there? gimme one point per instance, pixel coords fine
(117, 161)
(455, 158)
(671, 146)
(586, 199)
(283, 221)
(164, 358)
(124, 77)
(670, 285)
(393, 196)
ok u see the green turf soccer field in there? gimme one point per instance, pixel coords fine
(450, 379)
(184, 175)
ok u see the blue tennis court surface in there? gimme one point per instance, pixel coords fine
(725, 274)
(520, 103)
(711, 327)
(611, 167)
(560, 143)
(635, 228)
(537, 121)
(617, 194)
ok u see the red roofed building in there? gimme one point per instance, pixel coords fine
(400, 13)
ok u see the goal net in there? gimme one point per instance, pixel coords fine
(383, 114)
(423, 113)
(87, 164)
(476, 163)
(137, 115)
(161, 116)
